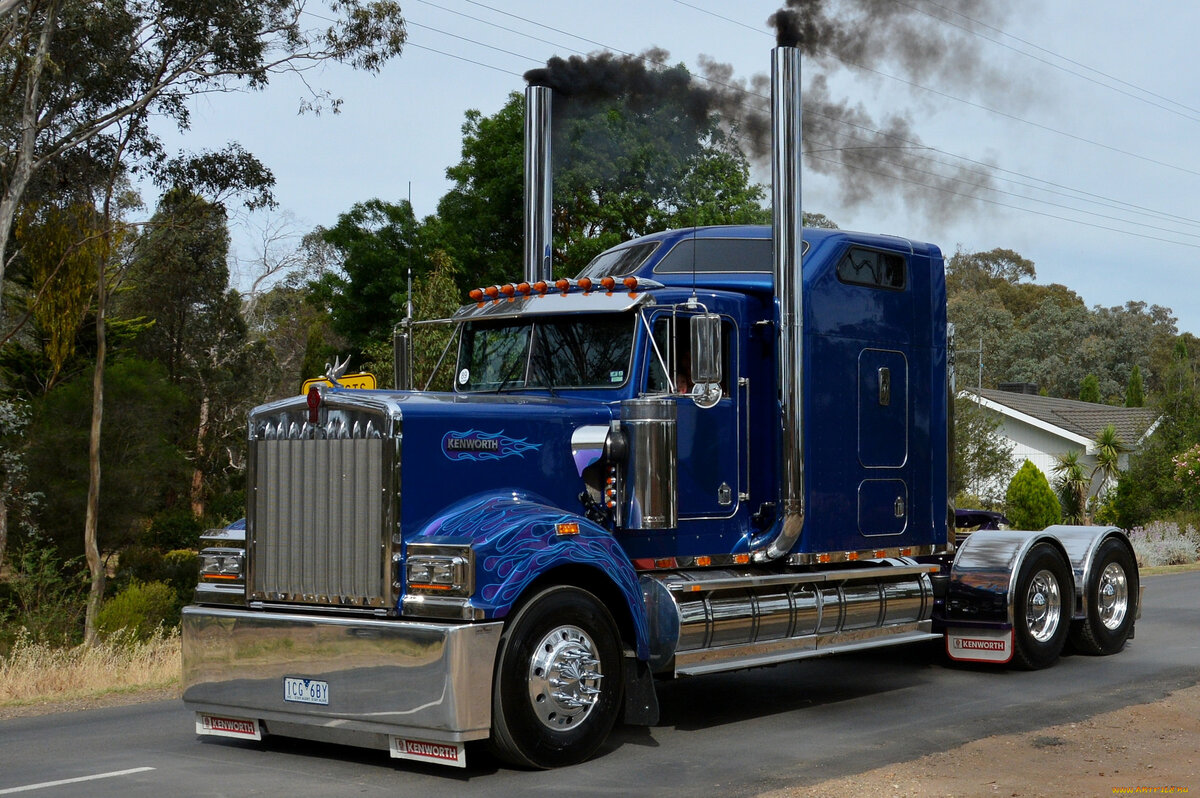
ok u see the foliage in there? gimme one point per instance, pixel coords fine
(982, 456)
(1045, 334)
(623, 167)
(376, 243)
(16, 502)
(1072, 483)
(1089, 389)
(1135, 395)
(1029, 502)
(138, 610)
(1164, 543)
(47, 595)
(60, 248)
(141, 466)
(1187, 474)
(156, 56)
(435, 296)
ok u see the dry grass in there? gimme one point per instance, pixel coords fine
(35, 673)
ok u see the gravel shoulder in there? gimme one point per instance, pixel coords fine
(1147, 749)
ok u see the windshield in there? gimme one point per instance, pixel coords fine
(581, 352)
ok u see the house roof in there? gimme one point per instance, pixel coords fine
(1079, 419)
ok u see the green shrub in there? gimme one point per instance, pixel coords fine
(139, 609)
(174, 529)
(44, 595)
(181, 569)
(1030, 503)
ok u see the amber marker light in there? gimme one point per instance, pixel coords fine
(431, 587)
(476, 294)
(703, 561)
(524, 288)
(570, 528)
(541, 286)
(508, 289)
(608, 283)
(493, 291)
(665, 562)
(631, 283)
(585, 283)
(563, 285)
(741, 559)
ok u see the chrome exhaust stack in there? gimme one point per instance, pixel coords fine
(538, 184)
(787, 229)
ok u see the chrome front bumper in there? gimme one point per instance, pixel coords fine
(385, 677)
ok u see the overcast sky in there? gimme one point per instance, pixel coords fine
(1090, 108)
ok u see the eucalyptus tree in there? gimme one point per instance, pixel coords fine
(119, 65)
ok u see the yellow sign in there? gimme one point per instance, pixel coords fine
(362, 381)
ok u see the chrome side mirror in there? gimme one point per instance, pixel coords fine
(707, 358)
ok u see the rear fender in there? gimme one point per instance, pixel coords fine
(1080, 544)
(516, 538)
(983, 577)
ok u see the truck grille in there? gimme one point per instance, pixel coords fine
(322, 502)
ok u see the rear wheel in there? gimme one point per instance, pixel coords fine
(1041, 608)
(558, 685)
(1112, 594)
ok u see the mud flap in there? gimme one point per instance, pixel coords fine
(979, 645)
(641, 701)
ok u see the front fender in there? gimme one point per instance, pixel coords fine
(517, 538)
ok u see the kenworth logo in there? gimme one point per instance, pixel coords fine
(477, 445)
(975, 644)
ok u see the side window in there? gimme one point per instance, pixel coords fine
(678, 358)
(873, 269)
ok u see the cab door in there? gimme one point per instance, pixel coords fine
(710, 447)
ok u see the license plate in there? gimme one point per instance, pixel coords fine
(305, 691)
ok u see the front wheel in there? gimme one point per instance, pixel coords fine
(1112, 594)
(558, 685)
(1041, 608)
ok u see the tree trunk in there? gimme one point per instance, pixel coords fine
(91, 522)
(23, 169)
(3, 529)
(198, 471)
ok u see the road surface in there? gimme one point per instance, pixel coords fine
(736, 734)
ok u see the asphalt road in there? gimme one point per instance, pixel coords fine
(729, 734)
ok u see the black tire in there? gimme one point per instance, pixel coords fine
(1112, 596)
(567, 634)
(1041, 608)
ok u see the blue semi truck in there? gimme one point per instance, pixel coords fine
(715, 448)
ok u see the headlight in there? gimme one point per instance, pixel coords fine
(438, 570)
(221, 566)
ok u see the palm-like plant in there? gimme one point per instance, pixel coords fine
(1109, 448)
(1072, 482)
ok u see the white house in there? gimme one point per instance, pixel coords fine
(1040, 428)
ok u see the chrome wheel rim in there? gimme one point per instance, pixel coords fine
(1043, 606)
(1112, 596)
(564, 678)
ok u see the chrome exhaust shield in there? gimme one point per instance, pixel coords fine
(787, 229)
(538, 184)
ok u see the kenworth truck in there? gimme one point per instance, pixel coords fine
(696, 456)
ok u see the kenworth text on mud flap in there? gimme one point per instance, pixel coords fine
(694, 457)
